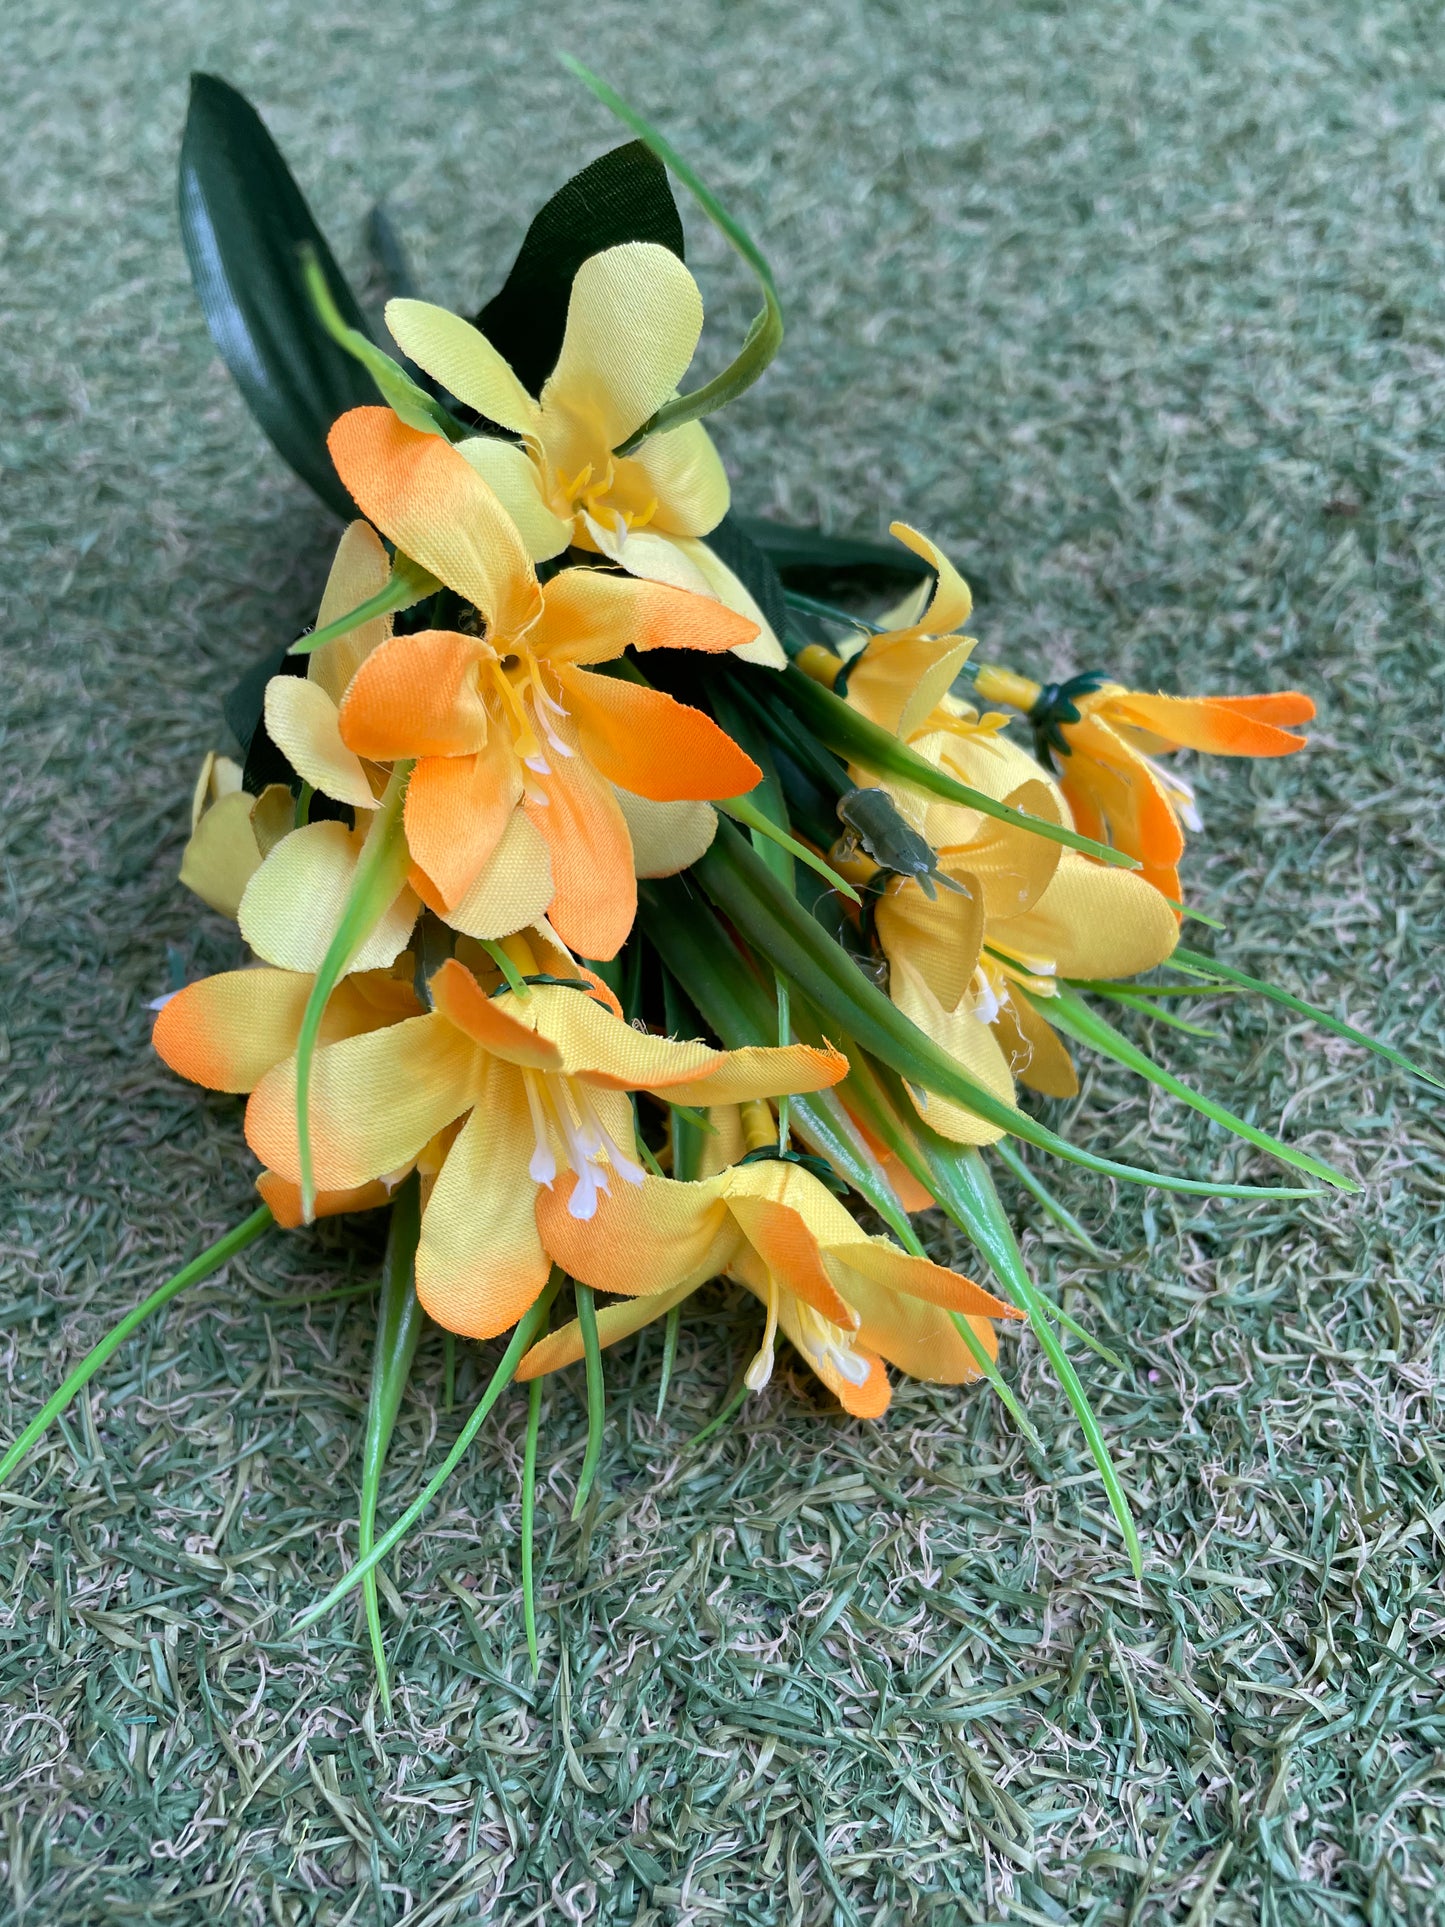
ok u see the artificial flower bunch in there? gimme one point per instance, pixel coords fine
(616, 914)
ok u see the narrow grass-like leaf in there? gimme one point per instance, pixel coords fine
(408, 584)
(776, 925)
(765, 335)
(596, 1394)
(524, 1336)
(529, 1521)
(1154, 1009)
(734, 1405)
(810, 606)
(670, 1332)
(796, 548)
(850, 735)
(210, 1260)
(380, 873)
(742, 811)
(1209, 967)
(407, 399)
(1071, 1015)
(1032, 1183)
(516, 982)
(399, 1322)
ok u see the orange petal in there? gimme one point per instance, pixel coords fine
(790, 1252)
(457, 808)
(565, 1346)
(880, 1261)
(434, 506)
(642, 1238)
(588, 616)
(1197, 722)
(417, 696)
(284, 1198)
(497, 1023)
(1280, 706)
(227, 1031)
(652, 745)
(595, 888)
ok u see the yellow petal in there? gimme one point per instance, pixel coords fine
(273, 817)
(868, 1400)
(513, 889)
(952, 604)
(516, 481)
(971, 1045)
(643, 1238)
(376, 1101)
(1033, 1049)
(220, 776)
(666, 837)
(302, 721)
(899, 681)
(941, 939)
(686, 479)
(564, 1346)
(293, 905)
(881, 1262)
(1094, 922)
(719, 580)
(359, 571)
(633, 323)
(788, 1251)
(826, 1217)
(227, 1031)
(1011, 868)
(222, 857)
(480, 1262)
(918, 1338)
(461, 358)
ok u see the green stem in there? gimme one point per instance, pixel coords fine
(1060, 1213)
(407, 585)
(596, 1398)
(399, 1321)
(210, 1260)
(669, 1354)
(529, 1520)
(521, 1341)
(742, 811)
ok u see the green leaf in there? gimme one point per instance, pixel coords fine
(244, 222)
(407, 399)
(1073, 1017)
(765, 335)
(596, 1395)
(1201, 966)
(399, 1321)
(210, 1260)
(1032, 1183)
(775, 924)
(669, 1354)
(532, 1322)
(793, 548)
(378, 878)
(743, 811)
(859, 741)
(408, 584)
(622, 196)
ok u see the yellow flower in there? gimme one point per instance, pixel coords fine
(633, 323)
(1105, 741)
(846, 1301)
(539, 1086)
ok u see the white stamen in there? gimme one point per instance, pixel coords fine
(537, 765)
(543, 1167)
(985, 999)
(557, 743)
(761, 1369)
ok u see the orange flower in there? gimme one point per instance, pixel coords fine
(517, 742)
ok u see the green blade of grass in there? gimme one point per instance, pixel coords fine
(523, 1337)
(1035, 1186)
(210, 1260)
(1202, 966)
(407, 399)
(596, 1394)
(850, 735)
(765, 335)
(379, 876)
(669, 1354)
(529, 1521)
(408, 584)
(1154, 1010)
(1071, 1015)
(777, 926)
(399, 1321)
(742, 811)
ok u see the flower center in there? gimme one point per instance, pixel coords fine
(827, 1346)
(564, 1118)
(521, 701)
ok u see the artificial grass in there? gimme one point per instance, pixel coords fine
(1137, 310)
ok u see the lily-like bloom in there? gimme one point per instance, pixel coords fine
(1105, 741)
(633, 322)
(231, 833)
(228, 1031)
(540, 1088)
(846, 1301)
(517, 741)
(1026, 913)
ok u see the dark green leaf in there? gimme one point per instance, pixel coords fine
(790, 549)
(733, 546)
(244, 222)
(622, 196)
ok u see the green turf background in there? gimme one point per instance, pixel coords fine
(1137, 308)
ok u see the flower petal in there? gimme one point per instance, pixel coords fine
(868, 1400)
(646, 742)
(1033, 1049)
(969, 1043)
(301, 720)
(462, 359)
(359, 571)
(512, 890)
(565, 1346)
(952, 602)
(500, 1024)
(919, 1338)
(595, 889)
(881, 1262)
(589, 616)
(222, 855)
(516, 481)
(642, 1239)
(294, 904)
(480, 1263)
(788, 1251)
(227, 1031)
(376, 1101)
(457, 810)
(284, 1198)
(1094, 922)
(434, 506)
(417, 695)
(899, 681)
(1199, 722)
(766, 650)
(633, 323)
(940, 939)
(666, 837)
(686, 478)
